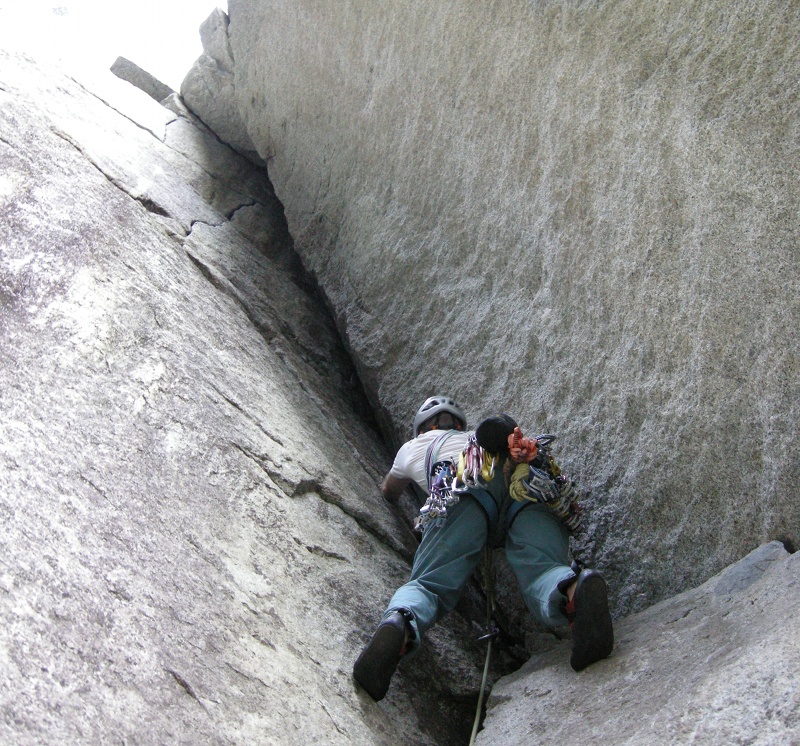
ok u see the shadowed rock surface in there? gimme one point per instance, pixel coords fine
(208, 88)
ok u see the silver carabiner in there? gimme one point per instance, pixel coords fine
(544, 440)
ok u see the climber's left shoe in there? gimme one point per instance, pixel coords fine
(375, 666)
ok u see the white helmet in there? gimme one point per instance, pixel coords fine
(433, 406)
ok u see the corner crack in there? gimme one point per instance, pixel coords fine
(225, 286)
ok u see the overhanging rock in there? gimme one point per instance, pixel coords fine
(130, 71)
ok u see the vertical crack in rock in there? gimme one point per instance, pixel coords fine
(246, 676)
(333, 720)
(224, 285)
(305, 486)
(239, 408)
(105, 102)
(320, 551)
(97, 489)
(149, 204)
(233, 212)
(153, 207)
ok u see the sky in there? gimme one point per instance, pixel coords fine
(86, 36)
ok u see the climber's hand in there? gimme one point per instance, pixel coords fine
(393, 487)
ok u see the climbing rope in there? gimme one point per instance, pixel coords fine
(491, 633)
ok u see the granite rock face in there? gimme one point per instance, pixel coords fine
(716, 664)
(192, 544)
(126, 70)
(208, 88)
(583, 214)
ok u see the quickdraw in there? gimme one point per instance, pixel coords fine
(441, 497)
(446, 481)
(475, 466)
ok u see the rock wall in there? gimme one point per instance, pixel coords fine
(716, 664)
(208, 88)
(192, 548)
(585, 214)
(192, 544)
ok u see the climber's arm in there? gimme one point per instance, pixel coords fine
(393, 487)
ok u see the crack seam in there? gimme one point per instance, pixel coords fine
(226, 287)
(328, 497)
(148, 204)
(122, 113)
(185, 685)
(250, 417)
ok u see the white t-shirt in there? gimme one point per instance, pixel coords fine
(410, 460)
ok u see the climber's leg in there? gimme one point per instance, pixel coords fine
(443, 564)
(537, 547)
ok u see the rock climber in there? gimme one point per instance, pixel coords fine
(490, 487)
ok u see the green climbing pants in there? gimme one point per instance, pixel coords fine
(537, 548)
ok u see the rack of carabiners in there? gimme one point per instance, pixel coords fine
(546, 484)
(448, 480)
(442, 497)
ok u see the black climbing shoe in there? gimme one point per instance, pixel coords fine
(588, 615)
(374, 667)
(492, 433)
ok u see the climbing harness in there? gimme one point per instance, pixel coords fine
(447, 481)
(536, 478)
(491, 632)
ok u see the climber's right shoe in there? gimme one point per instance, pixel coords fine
(375, 666)
(588, 615)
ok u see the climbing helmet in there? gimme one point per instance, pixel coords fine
(437, 405)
